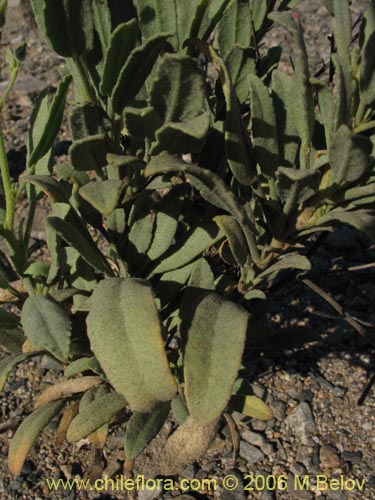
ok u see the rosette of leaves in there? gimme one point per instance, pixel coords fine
(121, 244)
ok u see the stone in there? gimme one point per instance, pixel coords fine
(328, 457)
(250, 453)
(278, 410)
(254, 438)
(236, 494)
(354, 457)
(301, 422)
(148, 494)
(258, 425)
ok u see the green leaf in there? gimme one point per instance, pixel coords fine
(67, 25)
(349, 156)
(49, 186)
(234, 28)
(236, 238)
(37, 269)
(367, 64)
(8, 320)
(46, 122)
(237, 142)
(177, 95)
(197, 240)
(102, 21)
(123, 40)
(157, 16)
(47, 325)
(302, 95)
(284, 102)
(66, 389)
(84, 246)
(8, 364)
(12, 339)
(27, 433)
(211, 187)
(289, 261)
(135, 71)
(88, 119)
(104, 196)
(342, 28)
(363, 220)
(142, 427)
(241, 63)
(263, 123)
(81, 365)
(90, 153)
(179, 410)
(296, 186)
(136, 363)
(171, 282)
(95, 414)
(251, 406)
(167, 217)
(326, 106)
(215, 342)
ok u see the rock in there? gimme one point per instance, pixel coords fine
(250, 453)
(278, 410)
(354, 457)
(302, 453)
(189, 472)
(267, 495)
(148, 494)
(254, 438)
(306, 395)
(238, 493)
(25, 84)
(329, 457)
(301, 422)
(258, 425)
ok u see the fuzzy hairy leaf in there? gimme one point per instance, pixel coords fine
(8, 364)
(90, 153)
(349, 156)
(90, 418)
(142, 427)
(67, 25)
(12, 339)
(367, 64)
(296, 186)
(283, 97)
(363, 220)
(179, 410)
(8, 320)
(251, 406)
(263, 122)
(66, 389)
(82, 365)
(215, 342)
(137, 365)
(234, 27)
(198, 240)
(237, 142)
(85, 247)
(241, 63)
(135, 70)
(123, 40)
(46, 122)
(187, 444)
(47, 325)
(166, 225)
(236, 238)
(49, 186)
(177, 95)
(289, 261)
(27, 433)
(103, 196)
(302, 91)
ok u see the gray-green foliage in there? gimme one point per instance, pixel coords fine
(197, 171)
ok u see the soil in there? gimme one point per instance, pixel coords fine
(321, 395)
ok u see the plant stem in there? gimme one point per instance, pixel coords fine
(7, 184)
(363, 127)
